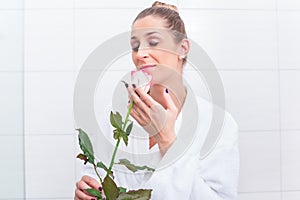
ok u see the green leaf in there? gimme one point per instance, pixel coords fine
(129, 128)
(103, 166)
(124, 137)
(116, 120)
(86, 145)
(141, 194)
(116, 134)
(122, 190)
(82, 157)
(110, 188)
(94, 192)
(133, 167)
(120, 133)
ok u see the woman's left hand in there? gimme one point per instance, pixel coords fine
(157, 120)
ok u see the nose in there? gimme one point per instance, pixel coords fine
(142, 54)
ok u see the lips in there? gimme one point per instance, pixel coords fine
(146, 66)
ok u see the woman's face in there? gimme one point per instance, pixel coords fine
(154, 49)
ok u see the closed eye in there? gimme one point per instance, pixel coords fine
(135, 46)
(153, 44)
(153, 41)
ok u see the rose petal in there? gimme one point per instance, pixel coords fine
(141, 79)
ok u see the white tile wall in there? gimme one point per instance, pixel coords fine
(259, 196)
(11, 4)
(288, 4)
(260, 162)
(48, 40)
(290, 195)
(229, 4)
(290, 161)
(246, 95)
(196, 80)
(11, 103)
(289, 99)
(48, 103)
(50, 166)
(91, 30)
(117, 3)
(289, 41)
(255, 47)
(11, 40)
(235, 39)
(51, 198)
(37, 4)
(12, 167)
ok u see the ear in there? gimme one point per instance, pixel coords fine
(184, 47)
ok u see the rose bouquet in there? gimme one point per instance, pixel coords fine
(122, 130)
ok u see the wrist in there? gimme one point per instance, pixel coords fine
(164, 145)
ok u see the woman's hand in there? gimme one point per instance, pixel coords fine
(157, 120)
(85, 183)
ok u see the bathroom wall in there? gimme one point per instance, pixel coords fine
(254, 45)
(12, 174)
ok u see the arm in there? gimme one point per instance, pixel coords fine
(218, 176)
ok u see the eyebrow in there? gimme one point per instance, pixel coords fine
(147, 34)
(150, 33)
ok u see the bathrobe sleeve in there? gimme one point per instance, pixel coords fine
(213, 178)
(218, 172)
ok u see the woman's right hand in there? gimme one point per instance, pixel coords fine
(85, 183)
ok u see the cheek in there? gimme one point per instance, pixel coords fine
(163, 73)
(134, 59)
(169, 60)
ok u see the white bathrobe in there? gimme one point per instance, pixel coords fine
(182, 173)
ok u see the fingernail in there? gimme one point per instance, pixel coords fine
(100, 188)
(133, 85)
(126, 84)
(167, 91)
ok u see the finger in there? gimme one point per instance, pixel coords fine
(169, 102)
(81, 190)
(82, 186)
(146, 117)
(81, 195)
(147, 99)
(91, 182)
(137, 100)
(135, 113)
(76, 198)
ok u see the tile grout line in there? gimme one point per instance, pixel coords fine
(219, 69)
(23, 107)
(135, 8)
(74, 82)
(279, 99)
(143, 7)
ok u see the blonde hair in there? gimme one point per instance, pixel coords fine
(165, 5)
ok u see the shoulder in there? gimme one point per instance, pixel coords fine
(221, 128)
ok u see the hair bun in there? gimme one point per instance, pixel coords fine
(165, 5)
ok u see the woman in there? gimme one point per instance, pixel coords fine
(159, 48)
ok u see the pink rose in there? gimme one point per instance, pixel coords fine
(141, 79)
